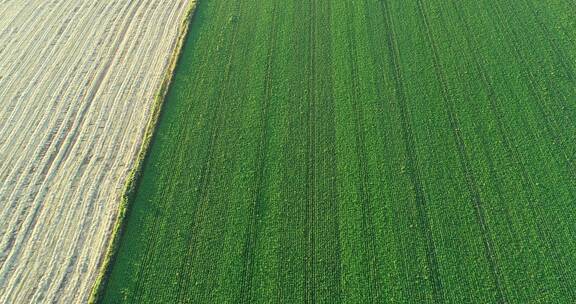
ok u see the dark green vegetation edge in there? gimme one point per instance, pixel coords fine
(133, 179)
(419, 151)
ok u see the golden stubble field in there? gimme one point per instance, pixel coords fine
(78, 80)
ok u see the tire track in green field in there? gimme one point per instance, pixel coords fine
(412, 159)
(558, 57)
(331, 140)
(153, 230)
(528, 183)
(309, 229)
(544, 111)
(572, 12)
(248, 255)
(292, 252)
(566, 66)
(384, 103)
(218, 115)
(376, 286)
(464, 159)
(514, 154)
(532, 80)
(326, 210)
(489, 89)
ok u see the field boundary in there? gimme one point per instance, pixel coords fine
(135, 175)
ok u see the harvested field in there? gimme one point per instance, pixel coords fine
(361, 151)
(78, 84)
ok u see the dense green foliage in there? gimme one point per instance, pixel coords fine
(362, 151)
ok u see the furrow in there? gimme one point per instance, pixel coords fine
(412, 160)
(362, 157)
(310, 223)
(219, 119)
(464, 159)
(550, 123)
(249, 253)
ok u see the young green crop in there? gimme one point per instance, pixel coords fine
(361, 151)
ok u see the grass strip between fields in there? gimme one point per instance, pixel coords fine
(134, 177)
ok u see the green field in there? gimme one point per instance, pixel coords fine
(419, 151)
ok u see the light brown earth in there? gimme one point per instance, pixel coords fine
(77, 85)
